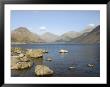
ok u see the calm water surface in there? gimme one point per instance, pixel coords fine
(79, 56)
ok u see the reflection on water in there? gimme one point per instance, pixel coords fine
(71, 64)
(20, 72)
(63, 54)
(38, 61)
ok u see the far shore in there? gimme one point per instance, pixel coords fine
(12, 43)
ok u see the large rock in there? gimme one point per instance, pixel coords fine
(34, 54)
(21, 65)
(17, 63)
(41, 70)
(17, 51)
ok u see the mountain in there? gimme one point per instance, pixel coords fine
(23, 35)
(89, 28)
(49, 37)
(68, 36)
(89, 37)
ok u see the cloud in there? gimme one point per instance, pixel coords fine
(43, 28)
(91, 25)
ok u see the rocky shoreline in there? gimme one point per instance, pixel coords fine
(22, 59)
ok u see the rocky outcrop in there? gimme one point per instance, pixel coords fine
(21, 65)
(42, 70)
(34, 54)
(17, 51)
(17, 63)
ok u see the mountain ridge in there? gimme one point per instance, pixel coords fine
(24, 35)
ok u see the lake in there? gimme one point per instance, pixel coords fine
(79, 56)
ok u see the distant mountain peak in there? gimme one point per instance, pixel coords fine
(22, 29)
(88, 28)
(48, 33)
(49, 37)
(22, 34)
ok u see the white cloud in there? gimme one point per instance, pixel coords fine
(42, 28)
(91, 25)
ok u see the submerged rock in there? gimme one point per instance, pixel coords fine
(42, 70)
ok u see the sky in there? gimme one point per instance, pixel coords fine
(54, 21)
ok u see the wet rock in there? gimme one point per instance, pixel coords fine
(49, 59)
(91, 65)
(72, 67)
(42, 70)
(45, 51)
(63, 51)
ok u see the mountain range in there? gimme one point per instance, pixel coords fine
(89, 35)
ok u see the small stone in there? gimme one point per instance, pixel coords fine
(49, 59)
(91, 65)
(63, 51)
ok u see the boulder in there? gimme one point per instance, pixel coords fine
(34, 54)
(42, 70)
(17, 63)
(21, 65)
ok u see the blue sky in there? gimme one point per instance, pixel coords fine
(57, 22)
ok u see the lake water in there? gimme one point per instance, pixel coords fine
(79, 56)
